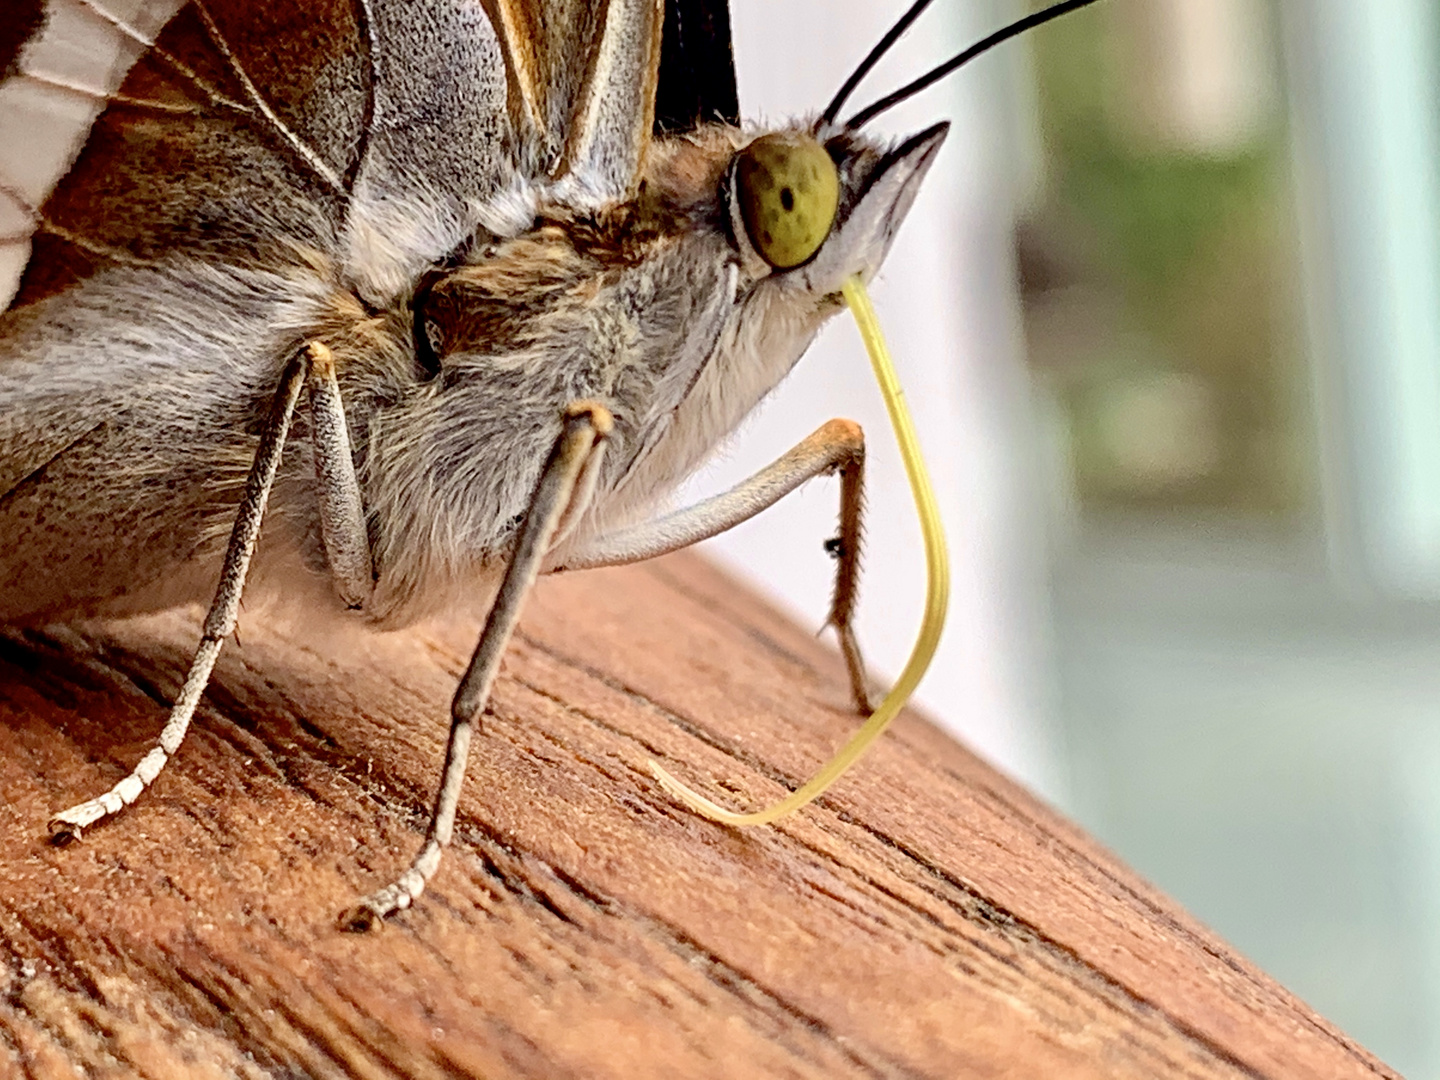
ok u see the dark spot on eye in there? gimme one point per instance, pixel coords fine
(766, 239)
(787, 198)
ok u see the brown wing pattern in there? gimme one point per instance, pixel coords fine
(245, 125)
(240, 125)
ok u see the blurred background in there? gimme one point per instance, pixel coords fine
(1168, 311)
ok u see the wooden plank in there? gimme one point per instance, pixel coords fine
(928, 919)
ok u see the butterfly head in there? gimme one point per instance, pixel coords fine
(819, 207)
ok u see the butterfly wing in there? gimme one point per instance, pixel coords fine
(381, 131)
(245, 127)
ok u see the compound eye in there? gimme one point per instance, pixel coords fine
(788, 189)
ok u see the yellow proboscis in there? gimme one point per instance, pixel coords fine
(937, 595)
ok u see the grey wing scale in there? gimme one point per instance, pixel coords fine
(556, 103)
(584, 77)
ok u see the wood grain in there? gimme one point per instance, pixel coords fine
(928, 919)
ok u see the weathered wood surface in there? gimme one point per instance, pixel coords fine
(928, 919)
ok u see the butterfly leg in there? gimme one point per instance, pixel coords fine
(837, 446)
(565, 482)
(342, 508)
(219, 621)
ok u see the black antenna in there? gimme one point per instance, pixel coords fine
(910, 89)
(872, 58)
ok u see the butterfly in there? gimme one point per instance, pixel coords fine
(444, 296)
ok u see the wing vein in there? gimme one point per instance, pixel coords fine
(10, 484)
(43, 224)
(369, 35)
(95, 94)
(176, 64)
(293, 140)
